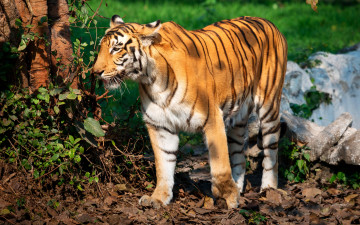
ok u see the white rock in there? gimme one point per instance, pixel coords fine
(296, 83)
(336, 74)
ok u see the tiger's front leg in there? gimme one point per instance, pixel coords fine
(223, 185)
(165, 146)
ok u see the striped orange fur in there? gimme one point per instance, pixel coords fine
(208, 81)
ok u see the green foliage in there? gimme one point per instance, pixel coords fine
(38, 135)
(313, 99)
(8, 60)
(347, 179)
(297, 169)
(252, 217)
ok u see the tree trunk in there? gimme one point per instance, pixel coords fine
(36, 63)
(61, 47)
(38, 53)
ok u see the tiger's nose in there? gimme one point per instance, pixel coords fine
(98, 72)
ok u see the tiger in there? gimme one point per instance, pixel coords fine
(207, 80)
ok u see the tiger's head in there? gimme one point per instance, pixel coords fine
(122, 54)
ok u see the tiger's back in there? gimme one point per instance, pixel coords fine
(206, 80)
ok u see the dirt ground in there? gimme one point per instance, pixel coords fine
(311, 202)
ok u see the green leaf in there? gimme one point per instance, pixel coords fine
(54, 157)
(72, 19)
(42, 90)
(96, 179)
(93, 126)
(300, 164)
(77, 91)
(43, 19)
(63, 96)
(26, 164)
(22, 45)
(18, 22)
(79, 187)
(87, 174)
(56, 109)
(71, 96)
(77, 158)
(13, 117)
(6, 122)
(71, 138)
(307, 156)
(36, 174)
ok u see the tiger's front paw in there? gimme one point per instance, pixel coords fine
(227, 190)
(148, 201)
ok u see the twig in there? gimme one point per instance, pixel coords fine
(97, 10)
(7, 220)
(102, 195)
(95, 13)
(49, 172)
(7, 179)
(103, 96)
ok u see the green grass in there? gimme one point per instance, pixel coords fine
(331, 29)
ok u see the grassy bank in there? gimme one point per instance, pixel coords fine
(332, 28)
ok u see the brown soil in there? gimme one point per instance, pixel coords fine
(24, 202)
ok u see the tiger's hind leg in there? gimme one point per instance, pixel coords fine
(237, 141)
(270, 129)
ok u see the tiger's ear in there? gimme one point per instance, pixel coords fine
(149, 33)
(115, 21)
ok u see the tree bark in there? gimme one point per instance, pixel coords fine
(61, 47)
(36, 63)
(38, 53)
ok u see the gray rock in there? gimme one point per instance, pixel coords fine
(329, 136)
(348, 151)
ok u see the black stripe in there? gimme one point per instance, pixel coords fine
(169, 40)
(252, 31)
(167, 152)
(208, 114)
(182, 42)
(238, 164)
(131, 27)
(185, 32)
(156, 127)
(237, 36)
(272, 146)
(245, 39)
(222, 44)
(206, 56)
(192, 110)
(147, 93)
(170, 71)
(216, 48)
(236, 152)
(231, 140)
(167, 73)
(170, 97)
(272, 130)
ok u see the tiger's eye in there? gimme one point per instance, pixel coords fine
(116, 48)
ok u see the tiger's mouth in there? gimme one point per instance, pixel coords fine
(114, 81)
